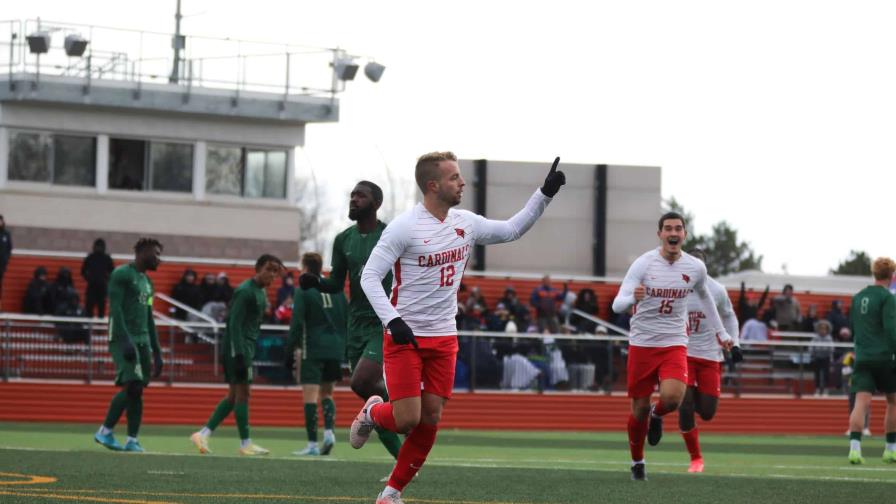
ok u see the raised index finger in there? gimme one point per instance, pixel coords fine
(554, 166)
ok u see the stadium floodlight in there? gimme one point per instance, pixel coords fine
(75, 45)
(39, 42)
(345, 68)
(374, 71)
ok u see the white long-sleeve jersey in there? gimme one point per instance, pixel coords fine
(428, 257)
(702, 342)
(661, 318)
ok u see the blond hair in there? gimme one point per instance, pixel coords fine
(427, 168)
(883, 268)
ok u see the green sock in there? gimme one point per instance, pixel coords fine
(891, 437)
(116, 408)
(221, 411)
(390, 440)
(855, 435)
(241, 412)
(311, 421)
(135, 415)
(329, 408)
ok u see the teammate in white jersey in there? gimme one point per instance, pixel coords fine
(658, 284)
(705, 359)
(427, 249)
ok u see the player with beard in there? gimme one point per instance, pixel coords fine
(705, 364)
(364, 345)
(132, 338)
(658, 284)
(427, 249)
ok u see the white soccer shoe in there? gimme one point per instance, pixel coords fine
(388, 499)
(361, 426)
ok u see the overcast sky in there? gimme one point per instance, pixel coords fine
(777, 116)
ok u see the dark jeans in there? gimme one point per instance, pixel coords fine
(821, 366)
(95, 297)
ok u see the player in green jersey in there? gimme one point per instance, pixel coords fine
(132, 335)
(873, 320)
(351, 248)
(244, 319)
(315, 349)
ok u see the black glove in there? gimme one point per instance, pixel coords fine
(553, 181)
(127, 350)
(290, 361)
(309, 281)
(242, 372)
(736, 355)
(401, 333)
(157, 364)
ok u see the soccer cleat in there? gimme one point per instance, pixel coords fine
(866, 432)
(361, 427)
(889, 457)
(654, 429)
(388, 499)
(696, 466)
(201, 442)
(309, 451)
(329, 442)
(639, 472)
(253, 450)
(108, 441)
(133, 446)
(855, 457)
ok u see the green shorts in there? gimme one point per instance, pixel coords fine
(229, 364)
(139, 370)
(874, 376)
(317, 371)
(367, 343)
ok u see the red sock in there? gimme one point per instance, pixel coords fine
(659, 409)
(692, 440)
(382, 416)
(637, 434)
(412, 454)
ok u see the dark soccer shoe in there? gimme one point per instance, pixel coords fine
(638, 472)
(654, 430)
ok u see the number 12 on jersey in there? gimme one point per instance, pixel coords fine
(447, 276)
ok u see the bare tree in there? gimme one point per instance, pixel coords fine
(314, 219)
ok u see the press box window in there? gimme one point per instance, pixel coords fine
(52, 158)
(138, 165)
(253, 173)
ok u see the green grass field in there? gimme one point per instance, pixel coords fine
(61, 463)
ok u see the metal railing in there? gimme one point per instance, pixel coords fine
(145, 57)
(42, 347)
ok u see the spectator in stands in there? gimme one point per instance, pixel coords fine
(754, 330)
(5, 252)
(498, 319)
(837, 318)
(37, 295)
(544, 300)
(586, 302)
(95, 270)
(187, 292)
(567, 302)
(746, 308)
(475, 300)
(64, 298)
(283, 313)
(223, 290)
(787, 310)
(844, 335)
(809, 321)
(822, 352)
(207, 289)
(286, 290)
(519, 313)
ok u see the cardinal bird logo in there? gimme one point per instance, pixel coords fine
(686, 278)
(460, 232)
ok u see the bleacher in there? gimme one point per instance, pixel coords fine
(766, 368)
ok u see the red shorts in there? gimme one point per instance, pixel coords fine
(407, 368)
(648, 366)
(706, 375)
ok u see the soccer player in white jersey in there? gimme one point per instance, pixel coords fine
(427, 249)
(658, 284)
(704, 364)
